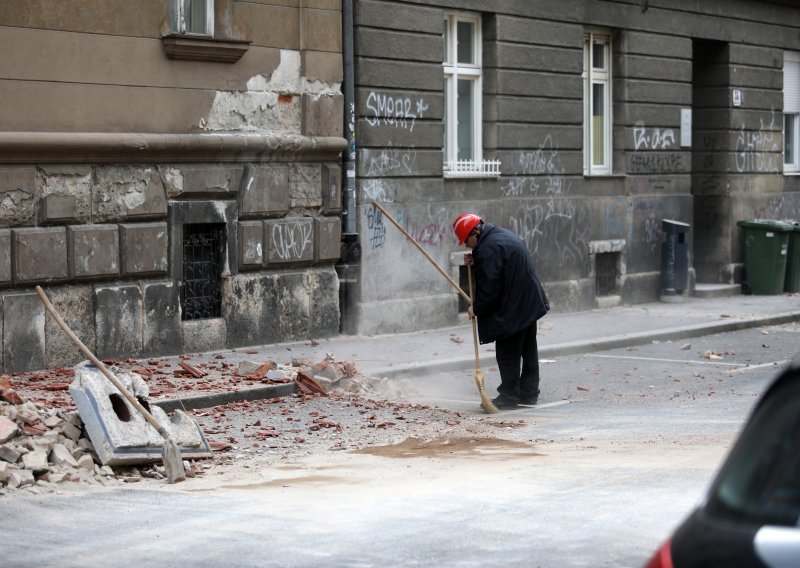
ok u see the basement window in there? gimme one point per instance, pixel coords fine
(606, 274)
(201, 292)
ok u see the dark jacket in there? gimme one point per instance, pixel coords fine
(508, 295)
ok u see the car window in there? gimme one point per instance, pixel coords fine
(760, 481)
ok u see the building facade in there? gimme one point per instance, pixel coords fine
(579, 124)
(169, 174)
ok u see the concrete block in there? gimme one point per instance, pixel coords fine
(8, 429)
(93, 251)
(5, 257)
(255, 311)
(251, 244)
(9, 453)
(39, 254)
(144, 248)
(118, 320)
(290, 240)
(17, 478)
(17, 195)
(119, 433)
(294, 297)
(23, 332)
(66, 194)
(264, 191)
(323, 285)
(58, 209)
(35, 461)
(62, 456)
(195, 180)
(331, 189)
(162, 319)
(322, 114)
(204, 335)
(76, 306)
(328, 239)
(4, 469)
(305, 181)
(122, 193)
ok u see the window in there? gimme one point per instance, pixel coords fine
(791, 111)
(195, 17)
(597, 104)
(463, 145)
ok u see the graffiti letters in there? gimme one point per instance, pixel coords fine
(397, 111)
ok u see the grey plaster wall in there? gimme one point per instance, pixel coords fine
(667, 57)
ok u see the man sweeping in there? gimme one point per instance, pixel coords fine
(509, 300)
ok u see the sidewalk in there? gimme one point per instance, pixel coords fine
(451, 349)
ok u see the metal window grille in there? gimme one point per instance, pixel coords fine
(201, 296)
(606, 273)
(469, 168)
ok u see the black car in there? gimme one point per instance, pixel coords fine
(751, 515)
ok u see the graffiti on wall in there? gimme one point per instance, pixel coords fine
(559, 224)
(392, 110)
(293, 241)
(390, 161)
(759, 151)
(652, 138)
(376, 229)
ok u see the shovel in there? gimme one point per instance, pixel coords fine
(170, 453)
(486, 402)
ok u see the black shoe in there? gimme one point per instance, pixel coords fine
(504, 403)
(530, 400)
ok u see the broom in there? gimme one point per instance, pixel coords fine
(486, 402)
(170, 453)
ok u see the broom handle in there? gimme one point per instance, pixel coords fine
(99, 364)
(425, 253)
(474, 323)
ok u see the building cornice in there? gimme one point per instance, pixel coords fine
(134, 147)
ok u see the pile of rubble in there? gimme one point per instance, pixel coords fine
(41, 447)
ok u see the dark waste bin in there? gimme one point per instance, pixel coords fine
(674, 259)
(792, 281)
(766, 244)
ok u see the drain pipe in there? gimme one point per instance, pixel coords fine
(349, 267)
(349, 118)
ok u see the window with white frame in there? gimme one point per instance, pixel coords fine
(194, 17)
(463, 139)
(597, 123)
(791, 111)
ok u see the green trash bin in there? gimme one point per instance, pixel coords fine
(766, 244)
(792, 282)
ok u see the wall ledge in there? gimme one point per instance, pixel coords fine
(134, 147)
(199, 48)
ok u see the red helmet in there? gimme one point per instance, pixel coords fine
(464, 224)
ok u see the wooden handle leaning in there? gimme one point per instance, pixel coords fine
(99, 364)
(474, 321)
(424, 252)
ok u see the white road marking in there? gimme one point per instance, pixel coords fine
(668, 360)
(776, 364)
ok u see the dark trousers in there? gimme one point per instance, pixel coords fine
(520, 348)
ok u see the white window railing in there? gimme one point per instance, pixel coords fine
(469, 168)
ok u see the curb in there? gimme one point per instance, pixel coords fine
(463, 363)
(592, 345)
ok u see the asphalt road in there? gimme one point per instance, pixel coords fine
(622, 445)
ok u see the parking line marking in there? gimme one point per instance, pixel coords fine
(751, 367)
(669, 360)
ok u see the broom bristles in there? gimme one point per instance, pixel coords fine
(486, 402)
